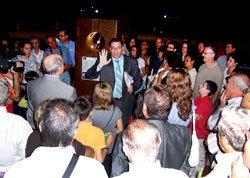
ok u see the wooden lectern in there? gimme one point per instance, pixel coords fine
(108, 29)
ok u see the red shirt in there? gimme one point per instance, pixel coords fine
(204, 108)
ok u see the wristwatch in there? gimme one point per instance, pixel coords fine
(106, 148)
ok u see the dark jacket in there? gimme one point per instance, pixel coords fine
(173, 153)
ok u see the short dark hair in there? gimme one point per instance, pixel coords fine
(31, 75)
(84, 105)
(59, 122)
(212, 87)
(115, 40)
(158, 102)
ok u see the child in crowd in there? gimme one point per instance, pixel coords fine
(89, 135)
(203, 111)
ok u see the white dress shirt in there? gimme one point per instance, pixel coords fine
(51, 162)
(147, 170)
(14, 132)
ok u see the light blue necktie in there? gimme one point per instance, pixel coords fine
(118, 80)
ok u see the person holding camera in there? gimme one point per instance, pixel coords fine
(13, 80)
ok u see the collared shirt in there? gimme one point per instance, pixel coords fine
(214, 118)
(14, 132)
(63, 51)
(121, 63)
(52, 162)
(71, 47)
(151, 170)
(55, 76)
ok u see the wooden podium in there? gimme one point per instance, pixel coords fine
(108, 29)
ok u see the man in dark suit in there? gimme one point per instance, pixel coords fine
(111, 68)
(175, 148)
(48, 86)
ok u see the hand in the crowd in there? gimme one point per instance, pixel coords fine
(9, 101)
(110, 139)
(19, 64)
(103, 58)
(198, 117)
(130, 89)
(246, 155)
(239, 170)
(223, 99)
(66, 67)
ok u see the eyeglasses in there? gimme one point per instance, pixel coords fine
(245, 91)
(61, 35)
(207, 53)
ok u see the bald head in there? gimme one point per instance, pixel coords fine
(141, 141)
(53, 64)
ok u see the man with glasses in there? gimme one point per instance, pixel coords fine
(209, 71)
(64, 52)
(64, 41)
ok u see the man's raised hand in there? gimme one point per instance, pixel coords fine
(103, 58)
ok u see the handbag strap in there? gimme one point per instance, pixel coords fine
(109, 118)
(71, 166)
(194, 118)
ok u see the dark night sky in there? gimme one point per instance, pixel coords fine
(205, 20)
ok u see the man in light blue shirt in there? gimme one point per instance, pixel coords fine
(113, 73)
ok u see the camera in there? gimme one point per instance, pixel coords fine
(6, 62)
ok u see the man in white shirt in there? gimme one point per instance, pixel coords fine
(59, 122)
(141, 142)
(14, 131)
(232, 128)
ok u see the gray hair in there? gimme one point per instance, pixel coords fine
(4, 91)
(240, 82)
(141, 140)
(53, 65)
(234, 124)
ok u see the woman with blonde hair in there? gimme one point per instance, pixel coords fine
(106, 115)
(179, 85)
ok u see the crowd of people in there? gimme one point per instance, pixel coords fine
(139, 119)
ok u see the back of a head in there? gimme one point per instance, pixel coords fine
(4, 92)
(178, 83)
(212, 87)
(103, 96)
(59, 122)
(52, 63)
(158, 102)
(31, 75)
(234, 124)
(84, 106)
(141, 141)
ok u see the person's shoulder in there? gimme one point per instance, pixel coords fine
(18, 169)
(169, 172)
(90, 167)
(129, 58)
